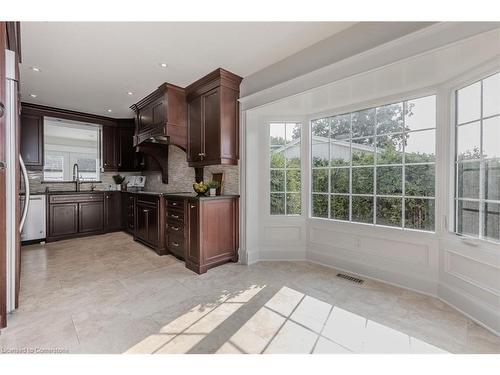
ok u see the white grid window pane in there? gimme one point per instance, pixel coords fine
(285, 168)
(477, 193)
(388, 155)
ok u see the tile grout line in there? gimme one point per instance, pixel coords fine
(321, 330)
(281, 326)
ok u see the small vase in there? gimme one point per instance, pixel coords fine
(212, 192)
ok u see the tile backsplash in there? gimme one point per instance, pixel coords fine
(36, 185)
(180, 177)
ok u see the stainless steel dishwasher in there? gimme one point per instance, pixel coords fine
(34, 226)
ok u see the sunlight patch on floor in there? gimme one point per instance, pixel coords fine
(292, 322)
(183, 333)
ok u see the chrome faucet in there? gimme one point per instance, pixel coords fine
(76, 177)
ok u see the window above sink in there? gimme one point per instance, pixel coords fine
(67, 143)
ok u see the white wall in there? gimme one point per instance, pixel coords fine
(440, 263)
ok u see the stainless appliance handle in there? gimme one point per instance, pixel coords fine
(27, 196)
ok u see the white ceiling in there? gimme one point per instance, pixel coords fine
(90, 66)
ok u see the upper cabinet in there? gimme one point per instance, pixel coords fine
(109, 148)
(213, 119)
(128, 159)
(31, 138)
(162, 115)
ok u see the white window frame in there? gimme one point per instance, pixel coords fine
(478, 76)
(378, 102)
(285, 121)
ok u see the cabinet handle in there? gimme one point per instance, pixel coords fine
(175, 228)
(174, 204)
(175, 216)
(145, 211)
(193, 206)
(176, 244)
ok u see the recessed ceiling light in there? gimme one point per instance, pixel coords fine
(163, 65)
(33, 95)
(35, 69)
(110, 110)
(130, 93)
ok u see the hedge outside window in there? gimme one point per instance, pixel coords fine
(376, 165)
(285, 177)
(477, 189)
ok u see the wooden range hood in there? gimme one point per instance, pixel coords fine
(161, 120)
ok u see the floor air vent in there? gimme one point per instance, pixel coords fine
(350, 278)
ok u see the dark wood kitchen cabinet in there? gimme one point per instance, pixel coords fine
(203, 231)
(128, 212)
(213, 119)
(175, 226)
(109, 148)
(149, 222)
(90, 217)
(31, 139)
(162, 114)
(74, 215)
(128, 158)
(63, 219)
(112, 211)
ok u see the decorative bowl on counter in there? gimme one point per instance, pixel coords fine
(200, 188)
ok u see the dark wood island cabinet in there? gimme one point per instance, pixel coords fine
(204, 231)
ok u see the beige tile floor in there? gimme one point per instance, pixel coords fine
(109, 294)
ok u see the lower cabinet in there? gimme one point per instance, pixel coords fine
(90, 217)
(63, 219)
(73, 215)
(203, 231)
(149, 222)
(128, 212)
(112, 211)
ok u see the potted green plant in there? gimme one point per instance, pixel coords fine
(118, 179)
(212, 187)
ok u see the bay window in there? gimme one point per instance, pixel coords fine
(477, 159)
(376, 165)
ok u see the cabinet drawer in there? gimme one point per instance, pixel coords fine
(76, 198)
(175, 245)
(176, 204)
(174, 228)
(175, 216)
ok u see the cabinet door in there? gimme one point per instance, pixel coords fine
(32, 141)
(109, 154)
(142, 221)
(130, 224)
(90, 217)
(158, 113)
(193, 248)
(63, 219)
(211, 126)
(194, 130)
(152, 229)
(126, 152)
(112, 211)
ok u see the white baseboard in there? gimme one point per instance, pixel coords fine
(468, 305)
(426, 286)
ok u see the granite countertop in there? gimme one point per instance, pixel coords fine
(196, 196)
(192, 195)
